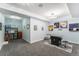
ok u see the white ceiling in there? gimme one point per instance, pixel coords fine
(46, 10)
(74, 9)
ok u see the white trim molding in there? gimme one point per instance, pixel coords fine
(4, 43)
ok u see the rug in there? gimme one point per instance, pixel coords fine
(67, 49)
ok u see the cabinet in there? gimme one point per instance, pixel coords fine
(19, 35)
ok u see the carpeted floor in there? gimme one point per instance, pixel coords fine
(22, 48)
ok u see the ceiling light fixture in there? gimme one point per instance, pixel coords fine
(15, 17)
(52, 13)
(40, 5)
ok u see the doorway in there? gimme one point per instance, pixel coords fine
(13, 29)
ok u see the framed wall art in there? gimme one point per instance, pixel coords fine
(50, 27)
(35, 27)
(56, 25)
(42, 28)
(0, 26)
(74, 27)
(63, 24)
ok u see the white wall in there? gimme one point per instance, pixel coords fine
(65, 33)
(1, 31)
(39, 34)
(73, 36)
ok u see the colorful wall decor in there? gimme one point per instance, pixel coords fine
(56, 25)
(74, 27)
(63, 24)
(50, 27)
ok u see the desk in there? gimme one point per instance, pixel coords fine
(55, 40)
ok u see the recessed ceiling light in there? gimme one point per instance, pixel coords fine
(15, 17)
(52, 13)
(40, 5)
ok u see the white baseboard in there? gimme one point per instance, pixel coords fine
(4, 43)
(36, 41)
(73, 42)
(1, 46)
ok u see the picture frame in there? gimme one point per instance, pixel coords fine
(63, 24)
(74, 27)
(42, 28)
(50, 27)
(56, 25)
(0, 26)
(35, 27)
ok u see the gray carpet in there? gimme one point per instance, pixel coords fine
(22, 48)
